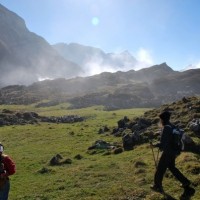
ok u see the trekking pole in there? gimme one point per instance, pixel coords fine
(157, 157)
(155, 161)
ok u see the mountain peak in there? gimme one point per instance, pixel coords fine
(10, 20)
(125, 52)
(163, 66)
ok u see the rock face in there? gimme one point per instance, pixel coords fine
(25, 57)
(185, 115)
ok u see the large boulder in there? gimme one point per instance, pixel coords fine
(194, 126)
(128, 142)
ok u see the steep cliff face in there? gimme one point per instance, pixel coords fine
(25, 57)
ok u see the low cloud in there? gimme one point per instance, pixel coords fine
(192, 66)
(144, 59)
(96, 65)
(109, 63)
(198, 65)
(114, 62)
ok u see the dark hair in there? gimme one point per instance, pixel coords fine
(165, 116)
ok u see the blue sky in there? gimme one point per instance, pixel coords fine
(154, 31)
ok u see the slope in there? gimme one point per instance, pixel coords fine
(26, 57)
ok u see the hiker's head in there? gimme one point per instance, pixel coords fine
(1, 148)
(165, 117)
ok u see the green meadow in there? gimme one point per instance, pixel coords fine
(99, 174)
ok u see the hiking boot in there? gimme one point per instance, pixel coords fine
(157, 188)
(188, 192)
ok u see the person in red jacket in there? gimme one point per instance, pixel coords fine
(7, 168)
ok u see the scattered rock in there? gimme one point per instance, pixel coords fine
(44, 170)
(194, 126)
(56, 160)
(78, 157)
(8, 117)
(114, 148)
(128, 142)
(117, 150)
(67, 161)
(100, 144)
(103, 130)
(138, 164)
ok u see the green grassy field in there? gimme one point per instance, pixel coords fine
(97, 176)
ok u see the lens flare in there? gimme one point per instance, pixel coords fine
(95, 21)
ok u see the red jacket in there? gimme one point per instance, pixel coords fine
(9, 165)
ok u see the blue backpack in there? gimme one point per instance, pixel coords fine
(178, 135)
(178, 139)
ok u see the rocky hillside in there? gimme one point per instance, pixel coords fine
(149, 87)
(8, 117)
(26, 57)
(185, 114)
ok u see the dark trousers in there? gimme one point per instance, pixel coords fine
(4, 191)
(168, 161)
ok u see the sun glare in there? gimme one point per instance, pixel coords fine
(95, 21)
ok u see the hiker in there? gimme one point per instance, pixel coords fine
(7, 168)
(168, 156)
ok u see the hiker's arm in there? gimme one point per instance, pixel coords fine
(164, 141)
(9, 166)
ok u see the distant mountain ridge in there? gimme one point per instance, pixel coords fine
(148, 87)
(26, 57)
(88, 57)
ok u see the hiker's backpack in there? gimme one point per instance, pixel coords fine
(178, 143)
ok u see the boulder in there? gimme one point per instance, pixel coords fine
(56, 160)
(194, 126)
(128, 142)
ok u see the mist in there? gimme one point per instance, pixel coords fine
(94, 60)
(27, 57)
(43, 62)
(124, 61)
